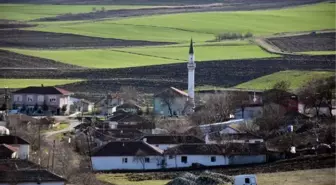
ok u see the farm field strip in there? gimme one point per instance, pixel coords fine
(21, 83)
(204, 26)
(142, 56)
(318, 52)
(35, 11)
(296, 79)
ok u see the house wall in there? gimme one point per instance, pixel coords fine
(249, 112)
(32, 183)
(161, 108)
(116, 163)
(22, 99)
(23, 152)
(246, 159)
(312, 111)
(175, 161)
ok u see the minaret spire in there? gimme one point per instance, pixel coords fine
(191, 77)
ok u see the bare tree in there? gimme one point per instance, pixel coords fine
(128, 93)
(219, 107)
(168, 98)
(140, 157)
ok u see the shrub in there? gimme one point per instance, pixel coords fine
(230, 36)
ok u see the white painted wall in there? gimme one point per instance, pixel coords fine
(116, 163)
(23, 152)
(31, 183)
(175, 161)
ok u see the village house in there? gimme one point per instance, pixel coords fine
(24, 172)
(167, 141)
(189, 155)
(170, 102)
(8, 151)
(18, 143)
(81, 105)
(103, 136)
(105, 105)
(127, 107)
(223, 138)
(126, 155)
(129, 120)
(53, 98)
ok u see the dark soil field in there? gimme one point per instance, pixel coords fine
(309, 42)
(45, 40)
(14, 60)
(228, 5)
(151, 78)
(6, 24)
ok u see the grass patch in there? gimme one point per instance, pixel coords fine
(204, 26)
(296, 79)
(318, 52)
(61, 126)
(307, 177)
(144, 56)
(35, 11)
(21, 83)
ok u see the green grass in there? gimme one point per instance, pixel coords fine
(25, 12)
(296, 79)
(21, 83)
(300, 177)
(318, 52)
(144, 56)
(204, 26)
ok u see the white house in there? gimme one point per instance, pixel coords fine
(167, 141)
(15, 141)
(106, 104)
(30, 177)
(187, 155)
(127, 155)
(170, 102)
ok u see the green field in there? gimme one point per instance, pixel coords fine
(204, 26)
(25, 12)
(143, 56)
(300, 177)
(296, 79)
(21, 83)
(318, 52)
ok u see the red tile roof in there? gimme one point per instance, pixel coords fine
(179, 91)
(12, 148)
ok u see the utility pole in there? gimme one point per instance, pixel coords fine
(7, 106)
(53, 156)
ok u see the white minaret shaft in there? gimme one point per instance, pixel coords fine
(191, 74)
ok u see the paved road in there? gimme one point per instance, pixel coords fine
(73, 123)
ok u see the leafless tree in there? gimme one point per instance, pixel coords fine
(168, 98)
(140, 157)
(129, 93)
(219, 107)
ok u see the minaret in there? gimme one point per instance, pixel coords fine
(191, 75)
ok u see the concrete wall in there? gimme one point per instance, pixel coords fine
(161, 108)
(116, 163)
(246, 159)
(175, 161)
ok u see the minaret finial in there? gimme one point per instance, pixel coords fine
(191, 48)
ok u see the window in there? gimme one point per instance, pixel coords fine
(247, 180)
(147, 160)
(40, 98)
(213, 159)
(124, 160)
(29, 98)
(184, 159)
(52, 99)
(18, 98)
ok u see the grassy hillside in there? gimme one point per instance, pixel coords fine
(203, 26)
(35, 11)
(20, 83)
(296, 79)
(143, 56)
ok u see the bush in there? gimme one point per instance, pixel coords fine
(231, 36)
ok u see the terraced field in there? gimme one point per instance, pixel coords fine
(306, 43)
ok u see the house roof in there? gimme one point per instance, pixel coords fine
(21, 176)
(10, 139)
(176, 91)
(42, 90)
(232, 136)
(191, 48)
(126, 148)
(128, 105)
(216, 149)
(9, 147)
(171, 139)
(108, 134)
(16, 164)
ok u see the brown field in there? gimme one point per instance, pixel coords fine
(308, 42)
(47, 40)
(230, 5)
